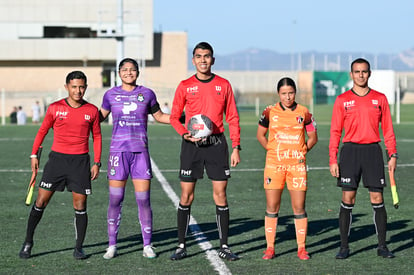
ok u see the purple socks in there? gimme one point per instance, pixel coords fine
(116, 197)
(145, 215)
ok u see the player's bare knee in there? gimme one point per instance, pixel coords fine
(220, 198)
(299, 212)
(187, 199)
(41, 203)
(376, 197)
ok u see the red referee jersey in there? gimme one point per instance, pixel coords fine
(212, 98)
(71, 129)
(360, 116)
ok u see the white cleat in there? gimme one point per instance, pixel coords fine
(148, 252)
(110, 252)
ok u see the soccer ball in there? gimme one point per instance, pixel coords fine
(200, 126)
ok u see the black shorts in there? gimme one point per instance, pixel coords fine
(364, 160)
(72, 171)
(211, 154)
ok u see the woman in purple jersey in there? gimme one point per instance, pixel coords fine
(130, 105)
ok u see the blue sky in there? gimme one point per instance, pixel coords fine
(381, 26)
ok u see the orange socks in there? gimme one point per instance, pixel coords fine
(270, 228)
(301, 226)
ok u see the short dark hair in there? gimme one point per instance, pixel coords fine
(361, 60)
(204, 46)
(286, 81)
(128, 60)
(76, 75)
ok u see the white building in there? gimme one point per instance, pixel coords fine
(41, 41)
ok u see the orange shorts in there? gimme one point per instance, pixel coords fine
(293, 172)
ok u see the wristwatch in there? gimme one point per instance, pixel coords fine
(238, 147)
(395, 155)
(99, 164)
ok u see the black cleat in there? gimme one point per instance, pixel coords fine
(179, 254)
(78, 254)
(225, 253)
(343, 253)
(384, 252)
(26, 250)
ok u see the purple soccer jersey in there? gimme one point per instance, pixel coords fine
(130, 116)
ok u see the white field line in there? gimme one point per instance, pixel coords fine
(197, 234)
(234, 170)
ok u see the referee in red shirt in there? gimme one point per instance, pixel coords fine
(72, 120)
(360, 111)
(211, 95)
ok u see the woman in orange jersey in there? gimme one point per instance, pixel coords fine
(281, 132)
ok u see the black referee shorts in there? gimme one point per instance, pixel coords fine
(364, 161)
(72, 171)
(211, 154)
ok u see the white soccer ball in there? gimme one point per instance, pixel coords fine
(200, 126)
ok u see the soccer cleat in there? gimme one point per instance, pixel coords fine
(225, 253)
(343, 253)
(384, 252)
(78, 254)
(179, 254)
(269, 253)
(26, 250)
(148, 252)
(303, 254)
(110, 252)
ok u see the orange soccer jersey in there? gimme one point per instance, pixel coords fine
(286, 148)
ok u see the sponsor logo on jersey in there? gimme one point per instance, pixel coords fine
(87, 117)
(61, 115)
(375, 102)
(218, 88)
(193, 89)
(275, 118)
(123, 123)
(129, 107)
(285, 136)
(349, 104)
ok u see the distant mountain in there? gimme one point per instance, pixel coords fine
(267, 60)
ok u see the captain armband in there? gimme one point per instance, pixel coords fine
(311, 126)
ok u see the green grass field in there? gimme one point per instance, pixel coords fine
(54, 238)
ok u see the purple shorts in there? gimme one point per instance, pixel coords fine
(123, 164)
